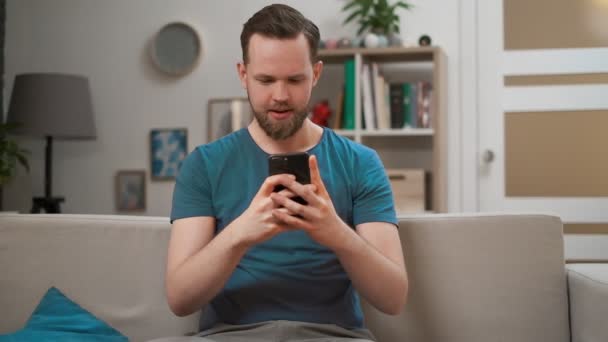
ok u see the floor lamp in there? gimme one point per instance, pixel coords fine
(51, 106)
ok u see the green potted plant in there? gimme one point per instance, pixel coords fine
(377, 17)
(10, 155)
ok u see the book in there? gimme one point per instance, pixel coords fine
(349, 95)
(376, 92)
(337, 123)
(369, 112)
(383, 116)
(397, 108)
(413, 107)
(423, 97)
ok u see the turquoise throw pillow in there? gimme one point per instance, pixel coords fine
(57, 318)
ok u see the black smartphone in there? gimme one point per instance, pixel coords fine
(291, 163)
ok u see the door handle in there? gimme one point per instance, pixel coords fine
(488, 156)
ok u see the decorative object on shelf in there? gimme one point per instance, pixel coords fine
(321, 113)
(408, 189)
(394, 39)
(358, 42)
(377, 16)
(382, 41)
(51, 106)
(10, 156)
(331, 43)
(176, 49)
(424, 40)
(168, 148)
(130, 193)
(321, 44)
(407, 43)
(226, 115)
(371, 40)
(345, 43)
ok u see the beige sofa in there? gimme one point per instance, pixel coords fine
(472, 278)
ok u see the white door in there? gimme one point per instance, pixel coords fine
(494, 99)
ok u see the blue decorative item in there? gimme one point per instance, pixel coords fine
(58, 318)
(382, 41)
(168, 148)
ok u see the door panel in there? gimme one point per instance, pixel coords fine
(517, 119)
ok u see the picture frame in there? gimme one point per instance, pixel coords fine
(130, 190)
(168, 148)
(226, 115)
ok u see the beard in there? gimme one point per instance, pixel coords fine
(282, 129)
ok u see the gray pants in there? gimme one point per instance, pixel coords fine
(276, 331)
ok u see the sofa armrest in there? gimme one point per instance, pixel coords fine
(588, 291)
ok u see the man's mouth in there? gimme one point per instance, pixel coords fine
(280, 114)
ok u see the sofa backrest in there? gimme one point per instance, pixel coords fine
(480, 278)
(113, 266)
(472, 277)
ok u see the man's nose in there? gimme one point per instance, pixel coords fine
(280, 92)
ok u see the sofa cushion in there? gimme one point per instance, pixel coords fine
(58, 318)
(478, 278)
(588, 285)
(112, 265)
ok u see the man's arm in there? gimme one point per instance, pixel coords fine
(371, 256)
(198, 265)
(373, 259)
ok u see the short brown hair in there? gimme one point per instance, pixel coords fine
(282, 22)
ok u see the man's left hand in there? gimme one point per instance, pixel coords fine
(319, 218)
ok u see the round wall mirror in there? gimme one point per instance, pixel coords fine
(176, 49)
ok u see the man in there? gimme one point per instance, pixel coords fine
(261, 264)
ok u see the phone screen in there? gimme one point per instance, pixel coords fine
(291, 163)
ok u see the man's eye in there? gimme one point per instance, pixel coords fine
(265, 81)
(295, 81)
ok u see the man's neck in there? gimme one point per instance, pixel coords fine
(304, 139)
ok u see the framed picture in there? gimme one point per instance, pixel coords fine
(130, 190)
(226, 115)
(168, 148)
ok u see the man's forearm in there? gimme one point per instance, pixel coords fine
(201, 277)
(380, 280)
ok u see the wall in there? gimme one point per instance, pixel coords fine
(107, 42)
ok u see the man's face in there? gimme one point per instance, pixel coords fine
(279, 79)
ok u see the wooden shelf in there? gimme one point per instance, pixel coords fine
(388, 54)
(345, 132)
(405, 132)
(398, 132)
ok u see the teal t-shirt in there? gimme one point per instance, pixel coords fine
(289, 277)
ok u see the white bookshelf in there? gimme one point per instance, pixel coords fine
(399, 148)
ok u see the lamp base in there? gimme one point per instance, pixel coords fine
(50, 205)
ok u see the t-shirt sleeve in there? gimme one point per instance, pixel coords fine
(373, 198)
(192, 192)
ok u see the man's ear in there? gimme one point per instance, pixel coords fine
(317, 69)
(241, 69)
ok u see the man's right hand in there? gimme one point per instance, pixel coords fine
(257, 224)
